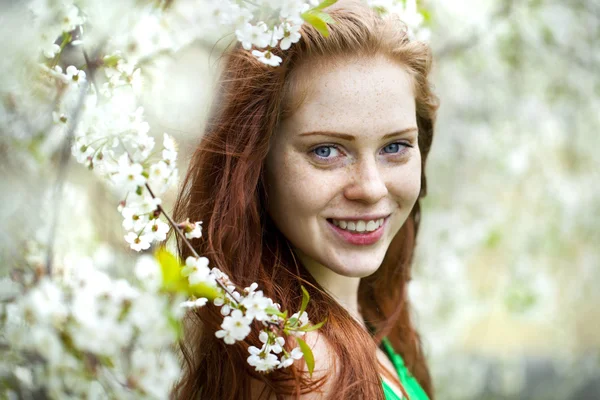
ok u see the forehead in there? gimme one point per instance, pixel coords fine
(359, 96)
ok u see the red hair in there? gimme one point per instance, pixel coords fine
(224, 187)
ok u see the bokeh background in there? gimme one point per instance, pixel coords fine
(507, 276)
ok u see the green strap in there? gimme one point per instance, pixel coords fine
(389, 392)
(409, 382)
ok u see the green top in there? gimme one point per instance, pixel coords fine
(410, 384)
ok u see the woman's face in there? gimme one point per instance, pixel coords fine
(344, 170)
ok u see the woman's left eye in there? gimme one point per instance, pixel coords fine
(326, 152)
(394, 148)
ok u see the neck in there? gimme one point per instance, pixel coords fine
(344, 289)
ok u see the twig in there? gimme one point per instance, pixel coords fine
(62, 171)
(65, 157)
(186, 241)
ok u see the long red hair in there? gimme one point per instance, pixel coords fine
(224, 187)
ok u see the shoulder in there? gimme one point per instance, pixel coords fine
(325, 368)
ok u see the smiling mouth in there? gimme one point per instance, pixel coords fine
(358, 232)
(358, 226)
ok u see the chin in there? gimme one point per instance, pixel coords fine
(354, 269)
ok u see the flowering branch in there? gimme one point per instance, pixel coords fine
(185, 240)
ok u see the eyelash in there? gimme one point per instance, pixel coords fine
(402, 144)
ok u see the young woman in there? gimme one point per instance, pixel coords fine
(310, 174)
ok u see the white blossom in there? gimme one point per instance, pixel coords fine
(159, 171)
(251, 289)
(196, 232)
(143, 143)
(200, 302)
(256, 35)
(51, 50)
(144, 203)
(133, 220)
(291, 10)
(256, 304)
(266, 57)
(197, 271)
(288, 359)
(169, 153)
(70, 18)
(225, 309)
(274, 345)
(235, 327)
(159, 176)
(291, 35)
(129, 175)
(262, 361)
(302, 322)
(159, 229)
(82, 152)
(74, 74)
(219, 301)
(139, 242)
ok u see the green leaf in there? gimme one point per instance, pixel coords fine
(170, 267)
(305, 299)
(326, 17)
(313, 327)
(308, 355)
(274, 311)
(317, 20)
(325, 4)
(203, 290)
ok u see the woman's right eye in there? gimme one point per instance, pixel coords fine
(326, 152)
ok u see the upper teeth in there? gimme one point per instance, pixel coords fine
(359, 226)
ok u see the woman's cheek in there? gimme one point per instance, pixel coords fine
(311, 189)
(406, 184)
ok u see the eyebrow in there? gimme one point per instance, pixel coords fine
(350, 138)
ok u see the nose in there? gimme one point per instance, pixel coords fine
(366, 183)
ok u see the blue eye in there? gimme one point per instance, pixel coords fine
(325, 151)
(392, 148)
(396, 148)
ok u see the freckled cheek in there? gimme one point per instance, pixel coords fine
(406, 184)
(304, 191)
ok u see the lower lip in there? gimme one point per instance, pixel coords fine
(359, 238)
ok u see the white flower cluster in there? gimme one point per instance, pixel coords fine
(240, 310)
(83, 329)
(280, 31)
(117, 145)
